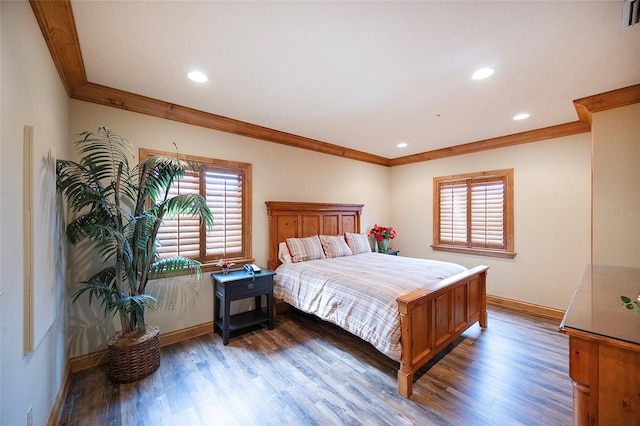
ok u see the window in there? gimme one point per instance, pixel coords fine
(473, 213)
(226, 187)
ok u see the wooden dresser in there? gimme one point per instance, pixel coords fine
(604, 347)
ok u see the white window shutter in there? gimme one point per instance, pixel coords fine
(224, 191)
(453, 213)
(487, 214)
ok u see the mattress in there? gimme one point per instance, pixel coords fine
(358, 292)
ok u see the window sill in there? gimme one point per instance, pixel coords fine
(207, 268)
(476, 251)
(237, 263)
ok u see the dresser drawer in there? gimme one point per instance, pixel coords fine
(248, 287)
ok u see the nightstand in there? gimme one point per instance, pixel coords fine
(392, 252)
(237, 285)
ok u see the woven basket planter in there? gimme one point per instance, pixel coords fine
(134, 356)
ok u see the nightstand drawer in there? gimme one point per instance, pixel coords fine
(248, 287)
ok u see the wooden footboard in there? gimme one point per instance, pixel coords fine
(433, 317)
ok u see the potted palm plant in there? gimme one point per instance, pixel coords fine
(118, 211)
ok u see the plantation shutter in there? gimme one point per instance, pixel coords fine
(180, 236)
(223, 185)
(487, 213)
(453, 213)
(224, 191)
(473, 213)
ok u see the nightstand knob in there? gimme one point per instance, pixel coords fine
(251, 286)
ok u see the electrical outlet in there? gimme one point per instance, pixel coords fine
(171, 306)
(30, 416)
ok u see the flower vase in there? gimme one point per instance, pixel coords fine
(225, 271)
(383, 245)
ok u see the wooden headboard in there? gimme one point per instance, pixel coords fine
(299, 220)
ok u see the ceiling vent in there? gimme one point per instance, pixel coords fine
(630, 13)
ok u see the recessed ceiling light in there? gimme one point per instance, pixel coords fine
(521, 116)
(197, 76)
(402, 145)
(482, 73)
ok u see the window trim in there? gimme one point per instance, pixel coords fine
(247, 204)
(508, 227)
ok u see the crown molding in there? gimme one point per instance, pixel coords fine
(585, 107)
(57, 24)
(109, 96)
(58, 27)
(552, 132)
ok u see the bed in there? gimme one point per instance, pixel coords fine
(430, 305)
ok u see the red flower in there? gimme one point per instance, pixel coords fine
(224, 264)
(382, 232)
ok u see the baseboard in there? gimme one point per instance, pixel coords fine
(58, 404)
(186, 333)
(94, 359)
(529, 308)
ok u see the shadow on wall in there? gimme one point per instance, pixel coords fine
(178, 293)
(89, 328)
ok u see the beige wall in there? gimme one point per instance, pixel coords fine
(552, 210)
(616, 178)
(552, 216)
(31, 94)
(280, 173)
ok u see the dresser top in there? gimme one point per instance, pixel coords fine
(596, 306)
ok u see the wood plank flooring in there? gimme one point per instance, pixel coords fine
(308, 372)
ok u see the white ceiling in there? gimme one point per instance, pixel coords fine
(365, 75)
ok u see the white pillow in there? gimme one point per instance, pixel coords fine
(302, 249)
(358, 243)
(334, 246)
(283, 253)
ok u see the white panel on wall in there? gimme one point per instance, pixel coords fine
(40, 238)
(27, 201)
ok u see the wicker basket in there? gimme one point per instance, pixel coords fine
(134, 356)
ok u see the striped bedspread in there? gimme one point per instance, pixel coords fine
(358, 293)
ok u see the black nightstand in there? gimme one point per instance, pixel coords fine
(392, 252)
(237, 285)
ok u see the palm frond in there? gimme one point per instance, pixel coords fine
(78, 228)
(105, 148)
(133, 303)
(106, 155)
(158, 173)
(80, 186)
(101, 286)
(185, 204)
(175, 264)
(93, 226)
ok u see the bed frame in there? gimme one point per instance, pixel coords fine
(431, 318)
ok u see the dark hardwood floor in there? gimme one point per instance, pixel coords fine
(307, 372)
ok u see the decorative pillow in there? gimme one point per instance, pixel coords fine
(334, 246)
(302, 249)
(358, 243)
(283, 253)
